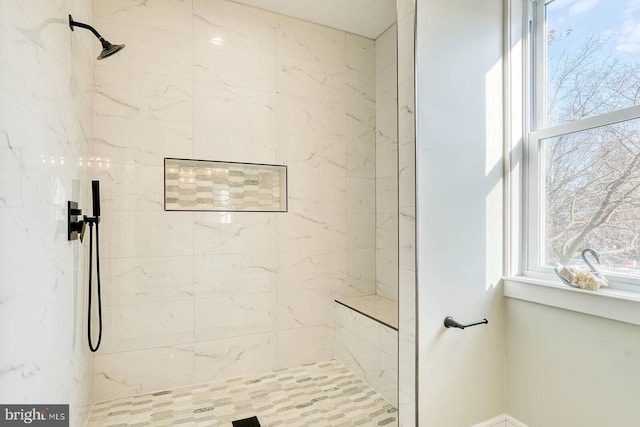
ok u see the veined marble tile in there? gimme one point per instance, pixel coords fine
(133, 372)
(407, 176)
(361, 195)
(310, 270)
(304, 345)
(388, 377)
(148, 50)
(234, 144)
(361, 357)
(129, 186)
(407, 417)
(310, 79)
(235, 315)
(309, 41)
(387, 86)
(235, 66)
(316, 194)
(234, 24)
(145, 234)
(138, 326)
(306, 155)
(146, 280)
(234, 274)
(407, 228)
(360, 54)
(229, 357)
(234, 232)
(306, 307)
(139, 95)
(387, 196)
(365, 329)
(360, 152)
(141, 141)
(361, 231)
(386, 48)
(234, 107)
(169, 15)
(307, 117)
(315, 231)
(361, 273)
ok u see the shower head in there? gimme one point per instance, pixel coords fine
(108, 49)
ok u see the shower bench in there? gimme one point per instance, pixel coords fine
(367, 341)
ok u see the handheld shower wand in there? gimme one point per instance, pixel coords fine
(95, 219)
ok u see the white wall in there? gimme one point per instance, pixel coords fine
(459, 210)
(567, 369)
(46, 126)
(191, 297)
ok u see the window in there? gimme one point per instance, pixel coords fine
(583, 147)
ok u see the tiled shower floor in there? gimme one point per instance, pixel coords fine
(321, 394)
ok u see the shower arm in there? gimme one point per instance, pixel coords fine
(73, 23)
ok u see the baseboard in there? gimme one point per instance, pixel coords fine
(503, 420)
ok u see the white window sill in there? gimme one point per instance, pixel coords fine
(620, 305)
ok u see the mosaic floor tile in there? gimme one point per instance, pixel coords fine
(322, 394)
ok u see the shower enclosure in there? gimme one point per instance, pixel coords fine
(193, 297)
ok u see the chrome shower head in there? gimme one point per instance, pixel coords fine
(108, 49)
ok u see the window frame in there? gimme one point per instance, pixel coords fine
(534, 99)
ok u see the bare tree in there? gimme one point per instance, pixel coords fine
(592, 178)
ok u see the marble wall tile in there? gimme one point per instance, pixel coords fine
(147, 280)
(310, 41)
(138, 326)
(147, 49)
(141, 141)
(129, 234)
(211, 142)
(309, 194)
(306, 307)
(361, 272)
(300, 116)
(361, 231)
(230, 357)
(129, 186)
(139, 95)
(234, 24)
(234, 66)
(369, 349)
(315, 231)
(310, 79)
(304, 345)
(135, 372)
(362, 195)
(170, 15)
(234, 107)
(234, 274)
(234, 232)
(316, 156)
(406, 62)
(311, 270)
(233, 316)
(406, 119)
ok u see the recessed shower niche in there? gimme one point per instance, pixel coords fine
(206, 185)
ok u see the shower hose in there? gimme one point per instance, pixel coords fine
(97, 346)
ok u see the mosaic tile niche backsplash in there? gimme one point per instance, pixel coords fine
(204, 185)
